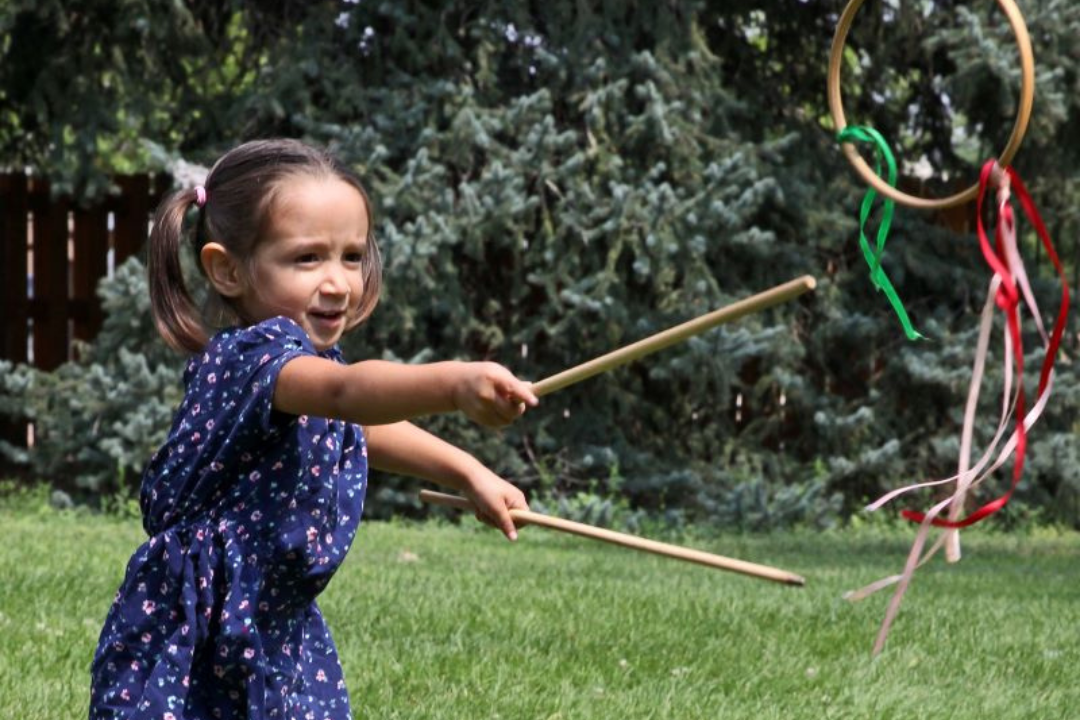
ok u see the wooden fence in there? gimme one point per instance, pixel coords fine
(53, 252)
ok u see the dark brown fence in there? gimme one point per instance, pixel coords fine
(54, 252)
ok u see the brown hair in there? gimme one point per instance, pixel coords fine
(240, 191)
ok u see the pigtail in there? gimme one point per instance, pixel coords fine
(175, 315)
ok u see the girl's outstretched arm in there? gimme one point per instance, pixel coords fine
(377, 392)
(405, 449)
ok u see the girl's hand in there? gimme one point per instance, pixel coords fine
(489, 394)
(494, 498)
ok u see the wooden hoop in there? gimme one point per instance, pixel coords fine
(1023, 115)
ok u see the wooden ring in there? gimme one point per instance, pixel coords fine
(1027, 96)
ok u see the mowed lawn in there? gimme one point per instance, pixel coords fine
(442, 621)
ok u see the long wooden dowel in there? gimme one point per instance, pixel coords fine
(666, 338)
(526, 517)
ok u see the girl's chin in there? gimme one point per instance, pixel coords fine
(325, 331)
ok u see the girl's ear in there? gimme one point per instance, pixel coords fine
(222, 270)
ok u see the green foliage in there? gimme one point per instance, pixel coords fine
(91, 87)
(555, 180)
(99, 418)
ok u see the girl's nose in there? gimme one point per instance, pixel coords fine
(335, 282)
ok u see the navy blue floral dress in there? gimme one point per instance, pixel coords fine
(249, 513)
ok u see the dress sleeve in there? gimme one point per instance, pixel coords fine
(240, 373)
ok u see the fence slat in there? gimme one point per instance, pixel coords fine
(13, 272)
(132, 216)
(50, 309)
(13, 269)
(90, 265)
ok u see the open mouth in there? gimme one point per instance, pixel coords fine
(327, 317)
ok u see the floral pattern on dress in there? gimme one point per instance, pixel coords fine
(249, 512)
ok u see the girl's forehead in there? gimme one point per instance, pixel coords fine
(310, 200)
(304, 188)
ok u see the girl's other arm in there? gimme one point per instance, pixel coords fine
(404, 449)
(376, 392)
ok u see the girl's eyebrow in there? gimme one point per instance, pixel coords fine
(296, 244)
(307, 244)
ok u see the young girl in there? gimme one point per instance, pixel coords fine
(255, 497)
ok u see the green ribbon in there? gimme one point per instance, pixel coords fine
(873, 256)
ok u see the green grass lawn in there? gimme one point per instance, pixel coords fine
(438, 621)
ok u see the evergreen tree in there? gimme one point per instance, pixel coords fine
(553, 180)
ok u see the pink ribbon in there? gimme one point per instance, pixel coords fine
(1008, 285)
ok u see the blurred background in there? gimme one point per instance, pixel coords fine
(553, 180)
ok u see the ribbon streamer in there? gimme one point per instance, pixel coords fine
(1007, 298)
(1009, 284)
(857, 133)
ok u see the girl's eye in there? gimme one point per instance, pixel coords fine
(354, 257)
(307, 258)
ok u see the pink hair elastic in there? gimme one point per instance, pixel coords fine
(200, 195)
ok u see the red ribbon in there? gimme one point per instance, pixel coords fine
(1008, 299)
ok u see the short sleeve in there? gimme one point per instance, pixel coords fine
(235, 380)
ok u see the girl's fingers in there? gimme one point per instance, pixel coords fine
(513, 403)
(519, 391)
(493, 498)
(527, 396)
(500, 400)
(504, 524)
(522, 392)
(505, 410)
(517, 501)
(512, 407)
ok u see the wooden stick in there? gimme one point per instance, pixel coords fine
(526, 517)
(666, 338)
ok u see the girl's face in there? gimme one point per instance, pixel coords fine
(307, 267)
